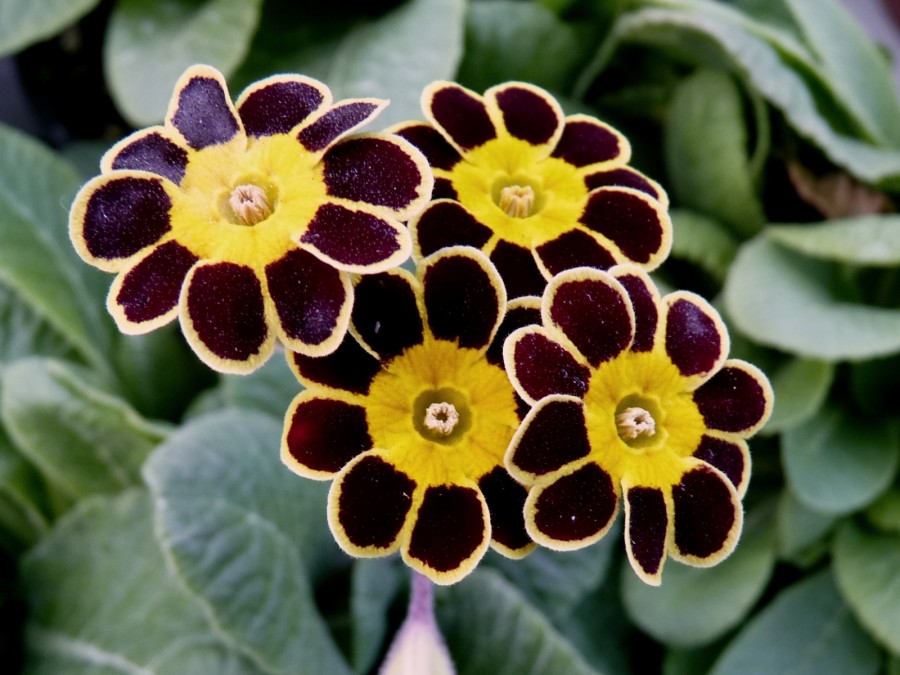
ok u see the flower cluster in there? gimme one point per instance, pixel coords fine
(525, 380)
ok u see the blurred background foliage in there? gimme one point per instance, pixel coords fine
(146, 524)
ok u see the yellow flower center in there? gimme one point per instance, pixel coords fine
(517, 200)
(441, 418)
(250, 204)
(442, 415)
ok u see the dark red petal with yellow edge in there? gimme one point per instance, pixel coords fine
(706, 513)
(353, 238)
(735, 399)
(461, 114)
(728, 457)
(341, 119)
(505, 499)
(586, 140)
(309, 295)
(519, 313)
(324, 434)
(463, 300)
(152, 152)
(592, 310)
(577, 506)
(631, 220)
(204, 114)
(151, 288)
(373, 503)
(574, 248)
(225, 309)
(520, 272)
(527, 113)
(542, 366)
(448, 223)
(644, 302)
(350, 367)
(624, 176)
(124, 215)
(451, 524)
(646, 528)
(385, 314)
(377, 171)
(439, 153)
(553, 434)
(278, 106)
(696, 340)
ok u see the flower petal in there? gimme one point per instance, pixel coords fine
(592, 310)
(356, 240)
(731, 457)
(553, 434)
(146, 296)
(116, 217)
(386, 315)
(696, 340)
(464, 297)
(349, 367)
(446, 223)
(586, 140)
(645, 301)
(459, 114)
(322, 435)
(708, 517)
(379, 170)
(451, 533)
(737, 399)
(439, 153)
(147, 150)
(521, 274)
(277, 104)
(368, 506)
(539, 365)
(521, 312)
(505, 499)
(223, 316)
(312, 301)
(571, 249)
(573, 511)
(634, 222)
(201, 109)
(647, 532)
(339, 121)
(626, 176)
(529, 113)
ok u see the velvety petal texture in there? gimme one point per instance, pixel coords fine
(632, 397)
(246, 220)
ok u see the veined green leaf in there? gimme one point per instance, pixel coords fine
(24, 22)
(864, 240)
(702, 241)
(800, 387)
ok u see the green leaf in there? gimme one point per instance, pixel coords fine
(374, 584)
(702, 241)
(24, 22)
(846, 51)
(837, 462)
(866, 565)
(884, 513)
(23, 507)
(244, 534)
(23, 332)
(706, 151)
(507, 40)
(36, 259)
(82, 439)
(876, 385)
(269, 389)
(824, 638)
(800, 305)
(149, 44)
(596, 629)
(492, 630)
(102, 599)
(801, 529)
(800, 387)
(865, 240)
(694, 606)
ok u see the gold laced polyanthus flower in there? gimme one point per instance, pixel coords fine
(246, 220)
(412, 421)
(633, 398)
(537, 191)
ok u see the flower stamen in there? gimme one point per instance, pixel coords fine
(634, 422)
(517, 201)
(250, 204)
(441, 418)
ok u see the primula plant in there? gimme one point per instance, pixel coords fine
(550, 337)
